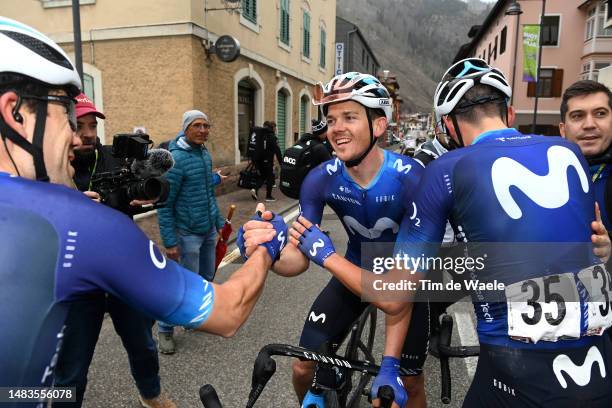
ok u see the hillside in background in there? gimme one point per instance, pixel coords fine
(414, 39)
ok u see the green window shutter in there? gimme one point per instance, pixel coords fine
(249, 10)
(306, 50)
(303, 116)
(281, 122)
(284, 21)
(323, 50)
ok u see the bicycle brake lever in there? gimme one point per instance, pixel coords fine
(263, 370)
(209, 397)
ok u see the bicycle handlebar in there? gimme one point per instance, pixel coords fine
(386, 396)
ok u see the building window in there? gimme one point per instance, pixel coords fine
(284, 21)
(550, 30)
(64, 3)
(590, 23)
(323, 48)
(489, 55)
(88, 86)
(249, 10)
(550, 84)
(281, 118)
(601, 21)
(494, 51)
(502, 40)
(304, 103)
(598, 66)
(306, 40)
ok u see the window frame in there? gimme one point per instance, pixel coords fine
(559, 26)
(284, 36)
(306, 36)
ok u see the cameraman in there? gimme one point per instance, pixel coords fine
(85, 316)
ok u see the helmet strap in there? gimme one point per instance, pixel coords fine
(457, 131)
(357, 161)
(35, 149)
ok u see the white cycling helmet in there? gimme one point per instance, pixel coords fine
(362, 88)
(463, 76)
(26, 51)
(30, 57)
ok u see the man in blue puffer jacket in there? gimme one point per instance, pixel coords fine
(190, 220)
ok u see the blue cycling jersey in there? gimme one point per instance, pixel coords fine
(370, 214)
(56, 245)
(512, 188)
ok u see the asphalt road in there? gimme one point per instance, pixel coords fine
(227, 363)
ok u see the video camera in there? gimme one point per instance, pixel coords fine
(138, 176)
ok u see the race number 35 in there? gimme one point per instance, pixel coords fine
(544, 308)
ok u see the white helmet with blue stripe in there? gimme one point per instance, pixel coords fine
(27, 52)
(463, 76)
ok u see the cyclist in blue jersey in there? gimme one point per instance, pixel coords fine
(367, 187)
(56, 244)
(541, 342)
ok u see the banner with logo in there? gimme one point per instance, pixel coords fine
(531, 42)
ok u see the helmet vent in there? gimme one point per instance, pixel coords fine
(40, 48)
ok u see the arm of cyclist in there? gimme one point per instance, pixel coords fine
(235, 299)
(116, 257)
(600, 237)
(396, 327)
(319, 248)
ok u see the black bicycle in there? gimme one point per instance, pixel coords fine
(342, 386)
(330, 376)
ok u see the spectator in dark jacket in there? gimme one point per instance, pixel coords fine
(85, 316)
(320, 153)
(190, 220)
(266, 164)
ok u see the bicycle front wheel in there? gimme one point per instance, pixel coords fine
(359, 348)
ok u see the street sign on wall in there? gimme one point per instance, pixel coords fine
(339, 68)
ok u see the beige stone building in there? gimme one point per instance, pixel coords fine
(146, 62)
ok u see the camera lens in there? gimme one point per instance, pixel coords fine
(147, 189)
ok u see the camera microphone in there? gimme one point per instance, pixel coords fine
(158, 162)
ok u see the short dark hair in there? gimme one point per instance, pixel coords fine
(496, 107)
(582, 88)
(22, 84)
(269, 124)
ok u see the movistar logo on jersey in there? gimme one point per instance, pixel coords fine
(332, 168)
(548, 191)
(375, 232)
(581, 374)
(401, 167)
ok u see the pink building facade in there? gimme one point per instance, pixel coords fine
(576, 45)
